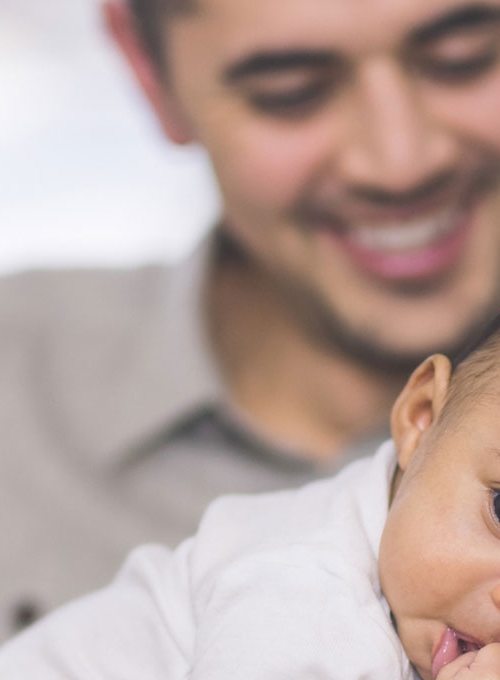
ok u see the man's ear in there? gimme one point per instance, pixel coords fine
(122, 25)
(419, 404)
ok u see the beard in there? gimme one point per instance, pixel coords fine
(323, 326)
(333, 334)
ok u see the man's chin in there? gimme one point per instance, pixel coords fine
(399, 359)
(330, 332)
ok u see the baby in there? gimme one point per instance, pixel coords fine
(389, 569)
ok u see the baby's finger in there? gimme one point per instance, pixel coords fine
(489, 657)
(483, 664)
(452, 669)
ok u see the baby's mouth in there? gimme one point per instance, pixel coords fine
(452, 645)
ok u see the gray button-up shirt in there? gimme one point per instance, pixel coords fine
(116, 427)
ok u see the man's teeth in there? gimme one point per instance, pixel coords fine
(404, 235)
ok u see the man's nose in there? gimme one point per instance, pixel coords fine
(392, 143)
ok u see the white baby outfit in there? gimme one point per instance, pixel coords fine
(281, 586)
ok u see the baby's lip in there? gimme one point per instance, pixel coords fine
(453, 644)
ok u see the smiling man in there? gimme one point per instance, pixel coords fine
(357, 148)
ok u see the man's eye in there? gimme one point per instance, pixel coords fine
(456, 72)
(496, 504)
(293, 102)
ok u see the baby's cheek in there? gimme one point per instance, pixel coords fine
(399, 565)
(420, 558)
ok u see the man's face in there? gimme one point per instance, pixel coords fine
(439, 558)
(357, 146)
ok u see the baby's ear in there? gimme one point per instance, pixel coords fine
(419, 404)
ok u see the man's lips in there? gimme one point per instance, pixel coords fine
(452, 645)
(406, 250)
(414, 241)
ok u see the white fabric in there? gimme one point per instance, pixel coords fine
(278, 586)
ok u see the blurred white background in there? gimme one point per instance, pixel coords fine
(86, 176)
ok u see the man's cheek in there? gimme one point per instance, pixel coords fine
(473, 115)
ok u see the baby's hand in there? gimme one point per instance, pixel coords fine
(484, 664)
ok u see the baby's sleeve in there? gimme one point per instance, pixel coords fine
(138, 627)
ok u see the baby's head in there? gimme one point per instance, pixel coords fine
(439, 558)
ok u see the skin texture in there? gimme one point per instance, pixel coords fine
(440, 551)
(377, 119)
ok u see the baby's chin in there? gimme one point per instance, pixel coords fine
(413, 652)
(424, 673)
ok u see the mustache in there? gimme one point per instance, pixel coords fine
(448, 185)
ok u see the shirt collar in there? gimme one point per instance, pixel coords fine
(190, 368)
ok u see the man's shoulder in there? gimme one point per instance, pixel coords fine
(35, 297)
(74, 328)
(88, 342)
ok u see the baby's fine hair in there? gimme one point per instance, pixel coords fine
(476, 369)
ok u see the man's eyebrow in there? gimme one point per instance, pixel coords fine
(464, 18)
(276, 61)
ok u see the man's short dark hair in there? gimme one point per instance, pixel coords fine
(150, 16)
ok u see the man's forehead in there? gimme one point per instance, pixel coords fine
(318, 9)
(366, 22)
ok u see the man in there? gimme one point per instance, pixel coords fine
(357, 147)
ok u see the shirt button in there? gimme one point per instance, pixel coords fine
(24, 613)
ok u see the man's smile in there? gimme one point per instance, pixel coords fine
(410, 235)
(416, 242)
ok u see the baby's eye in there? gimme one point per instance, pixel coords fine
(496, 504)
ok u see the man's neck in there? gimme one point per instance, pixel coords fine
(294, 391)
